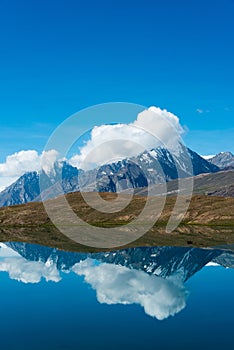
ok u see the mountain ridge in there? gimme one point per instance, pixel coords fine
(160, 261)
(224, 160)
(159, 165)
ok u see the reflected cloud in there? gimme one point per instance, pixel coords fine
(26, 271)
(116, 284)
(5, 251)
(153, 278)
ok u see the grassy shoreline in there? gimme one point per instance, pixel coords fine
(208, 222)
(184, 235)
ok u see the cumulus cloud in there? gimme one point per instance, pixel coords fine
(22, 162)
(107, 143)
(47, 160)
(116, 284)
(110, 143)
(26, 271)
(208, 156)
(5, 251)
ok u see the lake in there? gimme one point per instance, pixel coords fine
(137, 298)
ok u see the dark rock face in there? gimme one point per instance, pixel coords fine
(200, 165)
(149, 168)
(24, 190)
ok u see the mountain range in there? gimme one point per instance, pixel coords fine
(212, 184)
(224, 160)
(161, 261)
(149, 168)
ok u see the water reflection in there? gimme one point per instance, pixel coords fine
(115, 284)
(154, 278)
(26, 271)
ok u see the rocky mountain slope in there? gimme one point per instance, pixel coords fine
(27, 187)
(223, 160)
(150, 167)
(212, 184)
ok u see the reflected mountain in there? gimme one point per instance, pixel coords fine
(153, 277)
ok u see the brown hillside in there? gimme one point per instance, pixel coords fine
(209, 222)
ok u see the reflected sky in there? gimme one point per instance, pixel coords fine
(123, 297)
(26, 271)
(115, 284)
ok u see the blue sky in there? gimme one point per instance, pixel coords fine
(58, 57)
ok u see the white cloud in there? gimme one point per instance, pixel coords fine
(48, 158)
(211, 263)
(201, 111)
(7, 181)
(26, 271)
(21, 162)
(208, 156)
(5, 251)
(116, 284)
(109, 143)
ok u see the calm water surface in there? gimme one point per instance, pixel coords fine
(142, 298)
